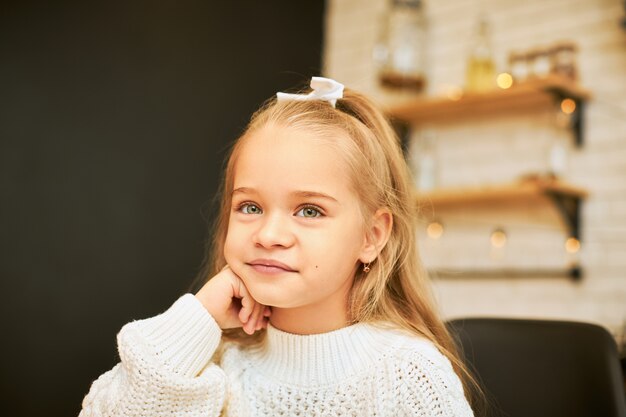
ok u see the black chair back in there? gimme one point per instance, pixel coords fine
(541, 368)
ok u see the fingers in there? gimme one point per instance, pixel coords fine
(253, 322)
(258, 319)
(252, 315)
(229, 302)
(262, 317)
(247, 303)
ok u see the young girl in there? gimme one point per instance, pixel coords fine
(315, 259)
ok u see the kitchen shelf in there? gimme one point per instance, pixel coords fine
(574, 272)
(564, 196)
(539, 93)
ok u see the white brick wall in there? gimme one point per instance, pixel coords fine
(492, 151)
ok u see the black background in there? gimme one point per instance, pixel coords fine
(115, 118)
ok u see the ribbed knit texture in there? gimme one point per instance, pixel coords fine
(360, 370)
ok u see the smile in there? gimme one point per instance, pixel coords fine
(270, 266)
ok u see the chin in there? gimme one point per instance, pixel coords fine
(266, 298)
(271, 297)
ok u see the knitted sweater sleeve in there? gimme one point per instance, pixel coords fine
(165, 367)
(429, 387)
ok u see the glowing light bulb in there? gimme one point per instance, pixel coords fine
(504, 80)
(498, 238)
(568, 106)
(434, 230)
(572, 245)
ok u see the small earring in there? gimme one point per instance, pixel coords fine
(366, 267)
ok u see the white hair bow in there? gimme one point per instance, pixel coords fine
(323, 89)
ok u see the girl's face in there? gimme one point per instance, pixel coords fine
(295, 232)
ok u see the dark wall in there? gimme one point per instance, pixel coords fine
(115, 118)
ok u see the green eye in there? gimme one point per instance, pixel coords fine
(309, 212)
(251, 209)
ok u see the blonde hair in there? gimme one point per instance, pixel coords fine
(397, 288)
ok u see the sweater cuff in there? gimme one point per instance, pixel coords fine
(184, 338)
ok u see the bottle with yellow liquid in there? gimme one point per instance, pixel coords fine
(481, 70)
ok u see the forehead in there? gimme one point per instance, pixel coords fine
(289, 159)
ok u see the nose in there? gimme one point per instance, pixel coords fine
(274, 231)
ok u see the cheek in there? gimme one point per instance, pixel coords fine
(227, 249)
(230, 246)
(343, 259)
(339, 254)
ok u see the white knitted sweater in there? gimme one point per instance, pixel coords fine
(360, 370)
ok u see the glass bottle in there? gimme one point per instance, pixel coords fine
(564, 60)
(426, 161)
(518, 66)
(560, 143)
(541, 63)
(400, 52)
(481, 71)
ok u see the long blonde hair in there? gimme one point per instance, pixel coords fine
(397, 288)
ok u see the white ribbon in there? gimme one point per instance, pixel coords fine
(323, 89)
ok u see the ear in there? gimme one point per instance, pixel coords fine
(377, 235)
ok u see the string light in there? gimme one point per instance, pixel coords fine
(568, 106)
(498, 238)
(572, 245)
(504, 80)
(434, 230)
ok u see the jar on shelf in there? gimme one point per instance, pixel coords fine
(558, 157)
(518, 66)
(541, 63)
(560, 142)
(400, 51)
(564, 60)
(423, 159)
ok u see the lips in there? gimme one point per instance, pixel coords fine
(268, 265)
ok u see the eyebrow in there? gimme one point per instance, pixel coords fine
(303, 193)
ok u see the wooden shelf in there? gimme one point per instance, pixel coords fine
(573, 272)
(540, 93)
(528, 94)
(565, 197)
(522, 189)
